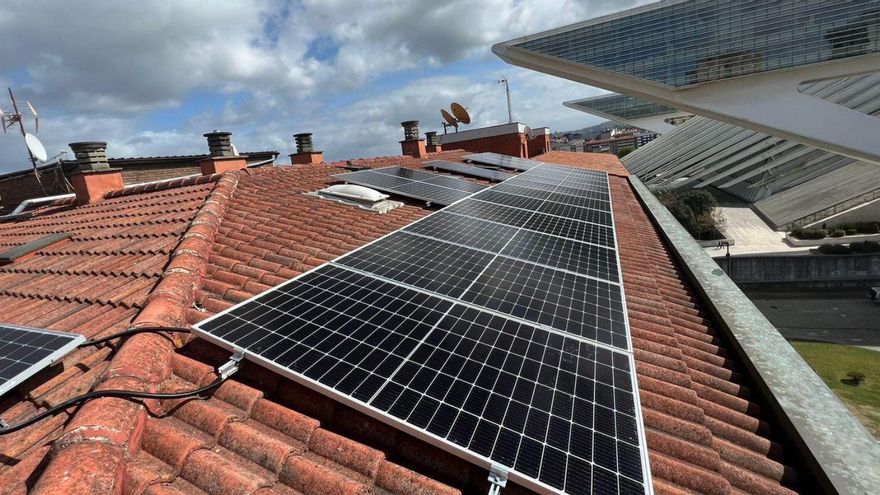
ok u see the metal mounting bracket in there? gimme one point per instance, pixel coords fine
(497, 478)
(231, 366)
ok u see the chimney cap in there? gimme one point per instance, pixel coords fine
(302, 134)
(85, 145)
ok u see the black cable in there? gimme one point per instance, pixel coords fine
(98, 394)
(133, 331)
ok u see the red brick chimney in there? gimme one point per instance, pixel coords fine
(411, 144)
(433, 142)
(93, 177)
(305, 150)
(223, 157)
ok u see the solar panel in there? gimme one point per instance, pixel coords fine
(504, 161)
(432, 188)
(465, 169)
(26, 351)
(555, 410)
(496, 327)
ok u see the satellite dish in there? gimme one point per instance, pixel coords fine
(460, 113)
(234, 150)
(36, 147)
(449, 118)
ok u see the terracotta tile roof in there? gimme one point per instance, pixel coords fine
(145, 256)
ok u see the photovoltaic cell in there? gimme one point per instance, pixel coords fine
(26, 351)
(431, 193)
(571, 229)
(555, 409)
(503, 161)
(453, 183)
(432, 188)
(465, 169)
(334, 326)
(575, 304)
(521, 191)
(493, 196)
(497, 325)
(492, 212)
(437, 266)
(596, 204)
(577, 257)
(519, 395)
(471, 232)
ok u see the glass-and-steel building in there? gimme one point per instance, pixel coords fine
(692, 42)
(751, 63)
(631, 111)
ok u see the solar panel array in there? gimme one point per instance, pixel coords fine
(26, 351)
(432, 188)
(504, 161)
(496, 326)
(465, 169)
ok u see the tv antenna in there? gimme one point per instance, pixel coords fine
(459, 115)
(10, 119)
(506, 84)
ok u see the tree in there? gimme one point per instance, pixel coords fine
(695, 210)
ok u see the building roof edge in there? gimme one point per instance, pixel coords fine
(835, 445)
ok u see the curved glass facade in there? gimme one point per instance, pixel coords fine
(706, 40)
(623, 107)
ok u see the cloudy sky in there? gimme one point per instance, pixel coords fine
(150, 77)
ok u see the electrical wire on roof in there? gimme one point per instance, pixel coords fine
(134, 331)
(224, 371)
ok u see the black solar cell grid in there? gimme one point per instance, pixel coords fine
(395, 325)
(571, 229)
(432, 188)
(525, 182)
(521, 191)
(583, 193)
(25, 351)
(437, 266)
(471, 232)
(505, 161)
(577, 257)
(454, 183)
(408, 173)
(575, 304)
(493, 196)
(471, 170)
(372, 178)
(574, 212)
(583, 202)
(336, 327)
(431, 193)
(519, 395)
(492, 212)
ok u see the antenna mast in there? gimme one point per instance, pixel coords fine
(506, 84)
(18, 118)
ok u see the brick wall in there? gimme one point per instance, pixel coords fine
(14, 190)
(506, 144)
(539, 144)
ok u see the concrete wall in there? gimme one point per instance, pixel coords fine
(804, 271)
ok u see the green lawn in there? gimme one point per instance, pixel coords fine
(832, 362)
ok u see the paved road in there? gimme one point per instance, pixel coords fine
(836, 317)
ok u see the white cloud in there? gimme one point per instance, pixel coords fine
(112, 63)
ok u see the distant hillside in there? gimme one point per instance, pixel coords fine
(589, 132)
